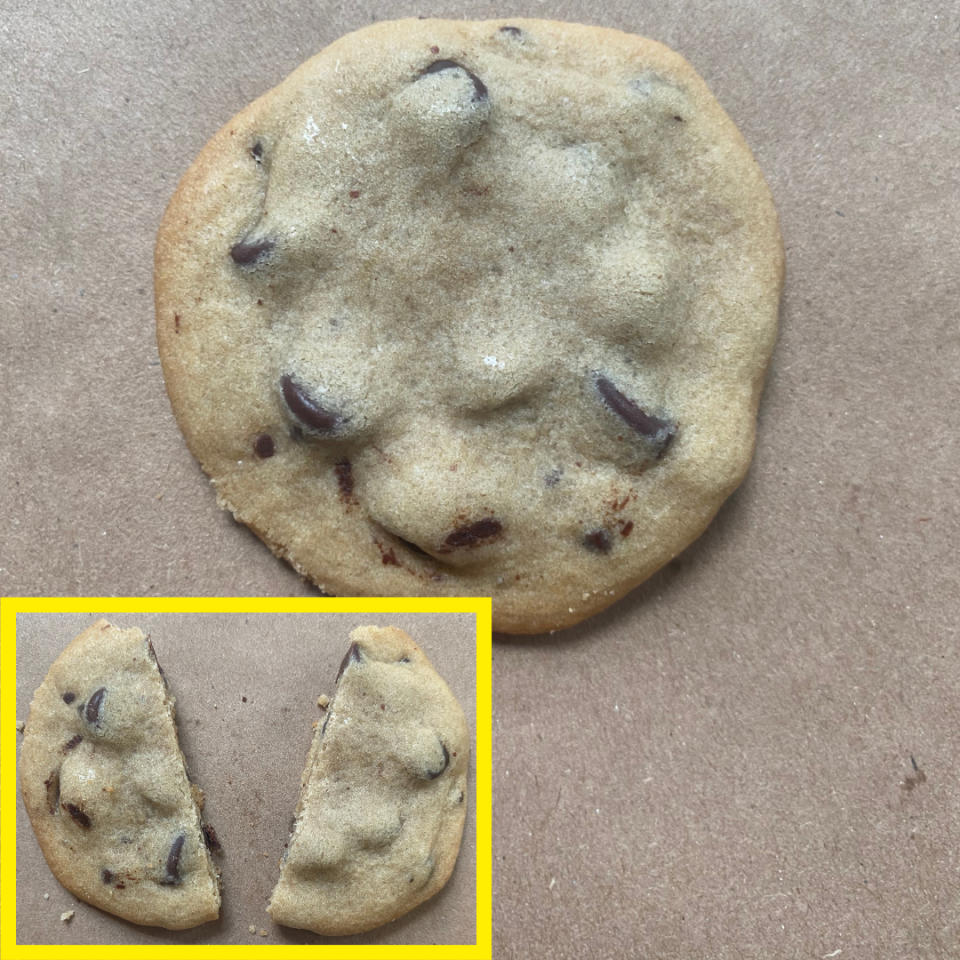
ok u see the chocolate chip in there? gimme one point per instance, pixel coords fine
(658, 432)
(323, 730)
(52, 783)
(94, 707)
(210, 838)
(69, 697)
(473, 534)
(479, 88)
(598, 540)
(343, 470)
(460, 797)
(107, 876)
(353, 655)
(78, 815)
(433, 774)
(552, 478)
(172, 875)
(626, 528)
(256, 151)
(264, 446)
(513, 31)
(72, 742)
(305, 408)
(245, 253)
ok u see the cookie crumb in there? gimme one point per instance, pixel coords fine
(262, 933)
(46, 896)
(323, 701)
(252, 928)
(67, 915)
(20, 726)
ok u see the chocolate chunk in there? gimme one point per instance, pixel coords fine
(172, 875)
(210, 838)
(473, 534)
(353, 655)
(479, 88)
(343, 470)
(598, 540)
(433, 774)
(305, 408)
(72, 742)
(69, 697)
(658, 432)
(78, 815)
(94, 707)
(52, 783)
(107, 876)
(264, 446)
(245, 253)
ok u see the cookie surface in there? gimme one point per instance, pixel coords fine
(106, 787)
(383, 794)
(474, 309)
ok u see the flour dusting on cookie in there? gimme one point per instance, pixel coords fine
(474, 309)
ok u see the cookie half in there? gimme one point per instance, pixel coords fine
(106, 786)
(383, 794)
(474, 309)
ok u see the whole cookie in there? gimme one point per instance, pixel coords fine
(106, 787)
(474, 309)
(383, 795)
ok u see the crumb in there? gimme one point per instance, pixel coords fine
(20, 726)
(46, 896)
(67, 915)
(263, 932)
(323, 701)
(243, 699)
(252, 928)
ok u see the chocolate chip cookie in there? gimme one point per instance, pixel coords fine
(383, 795)
(474, 309)
(106, 787)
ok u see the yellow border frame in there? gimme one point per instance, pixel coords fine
(11, 606)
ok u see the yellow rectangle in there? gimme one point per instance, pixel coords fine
(481, 607)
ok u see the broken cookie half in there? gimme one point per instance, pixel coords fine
(383, 796)
(106, 786)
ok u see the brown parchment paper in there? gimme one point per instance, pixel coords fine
(719, 766)
(246, 688)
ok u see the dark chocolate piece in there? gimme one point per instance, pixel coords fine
(473, 534)
(513, 31)
(72, 742)
(244, 253)
(256, 151)
(52, 783)
(172, 876)
(94, 707)
(264, 446)
(658, 432)
(69, 697)
(343, 470)
(353, 655)
(598, 540)
(107, 876)
(479, 88)
(305, 408)
(78, 815)
(210, 838)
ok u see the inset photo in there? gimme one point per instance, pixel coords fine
(248, 772)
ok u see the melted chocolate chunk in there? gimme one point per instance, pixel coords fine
(245, 253)
(343, 471)
(94, 707)
(473, 534)
(72, 742)
(305, 408)
(353, 655)
(479, 87)
(658, 432)
(264, 446)
(52, 783)
(78, 815)
(172, 875)
(69, 697)
(433, 774)
(598, 540)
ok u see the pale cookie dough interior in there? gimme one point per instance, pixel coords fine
(106, 786)
(383, 795)
(474, 309)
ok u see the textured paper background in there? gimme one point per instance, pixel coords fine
(247, 756)
(720, 765)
